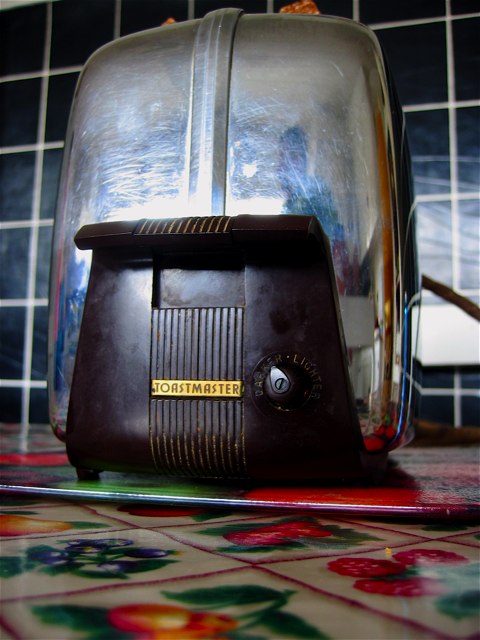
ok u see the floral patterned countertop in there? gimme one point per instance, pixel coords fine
(132, 571)
(136, 570)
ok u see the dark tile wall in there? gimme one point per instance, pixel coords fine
(433, 50)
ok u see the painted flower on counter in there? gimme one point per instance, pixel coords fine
(284, 534)
(366, 567)
(160, 621)
(242, 611)
(89, 558)
(429, 557)
(418, 573)
(402, 586)
(14, 524)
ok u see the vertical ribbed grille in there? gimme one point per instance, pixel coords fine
(197, 344)
(197, 437)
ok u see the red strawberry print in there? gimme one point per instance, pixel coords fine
(429, 557)
(281, 533)
(259, 537)
(405, 587)
(303, 530)
(366, 567)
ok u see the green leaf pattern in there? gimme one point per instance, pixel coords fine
(263, 614)
(286, 534)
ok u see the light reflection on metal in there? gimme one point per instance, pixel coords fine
(256, 114)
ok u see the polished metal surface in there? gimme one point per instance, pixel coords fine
(210, 112)
(256, 114)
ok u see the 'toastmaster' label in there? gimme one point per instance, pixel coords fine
(197, 388)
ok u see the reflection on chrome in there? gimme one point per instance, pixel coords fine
(250, 114)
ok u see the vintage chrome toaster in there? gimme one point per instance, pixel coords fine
(235, 194)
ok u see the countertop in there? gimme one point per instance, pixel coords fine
(136, 568)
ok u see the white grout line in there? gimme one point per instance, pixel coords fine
(42, 73)
(455, 218)
(23, 384)
(421, 21)
(24, 302)
(457, 399)
(37, 146)
(25, 224)
(33, 248)
(446, 197)
(449, 391)
(452, 126)
(443, 391)
(356, 10)
(117, 21)
(436, 106)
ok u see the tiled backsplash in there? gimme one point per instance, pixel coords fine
(433, 50)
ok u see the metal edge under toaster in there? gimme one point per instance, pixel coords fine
(234, 226)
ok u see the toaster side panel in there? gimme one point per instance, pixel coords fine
(107, 426)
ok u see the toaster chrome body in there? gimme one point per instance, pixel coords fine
(234, 115)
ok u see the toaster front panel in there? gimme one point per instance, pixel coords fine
(227, 360)
(196, 415)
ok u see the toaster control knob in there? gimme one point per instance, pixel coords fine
(287, 386)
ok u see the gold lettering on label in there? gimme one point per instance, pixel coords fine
(197, 388)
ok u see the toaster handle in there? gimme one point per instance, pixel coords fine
(205, 234)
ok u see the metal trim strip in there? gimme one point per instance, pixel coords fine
(209, 122)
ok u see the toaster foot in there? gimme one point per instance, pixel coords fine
(87, 474)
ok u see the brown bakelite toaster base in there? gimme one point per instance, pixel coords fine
(228, 359)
